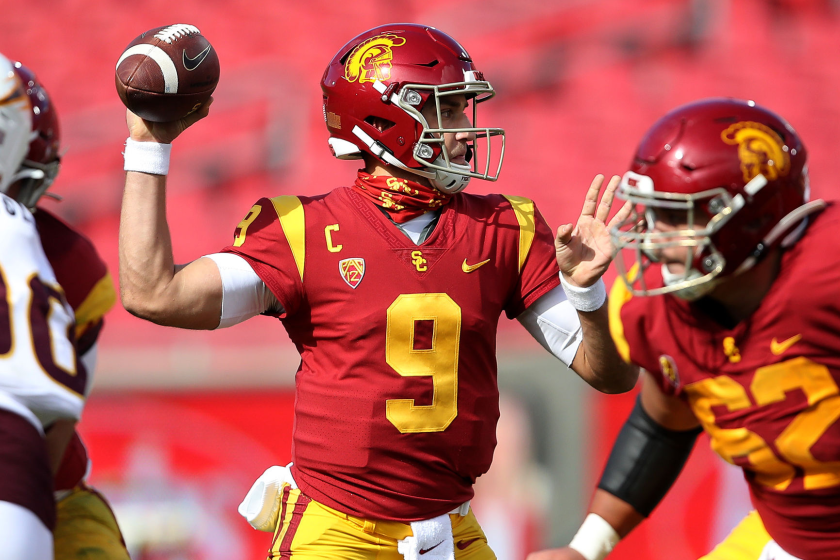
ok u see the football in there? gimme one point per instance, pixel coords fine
(167, 73)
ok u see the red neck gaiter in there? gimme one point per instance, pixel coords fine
(403, 199)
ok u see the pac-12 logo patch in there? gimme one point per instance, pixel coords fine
(669, 369)
(352, 270)
(371, 60)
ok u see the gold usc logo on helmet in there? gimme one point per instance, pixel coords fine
(760, 150)
(371, 60)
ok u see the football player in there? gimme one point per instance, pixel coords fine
(739, 335)
(391, 289)
(85, 523)
(42, 381)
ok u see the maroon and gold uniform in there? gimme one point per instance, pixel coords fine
(82, 274)
(85, 524)
(397, 400)
(766, 391)
(89, 290)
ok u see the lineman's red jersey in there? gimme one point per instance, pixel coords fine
(765, 391)
(397, 401)
(89, 289)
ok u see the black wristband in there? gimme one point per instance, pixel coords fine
(645, 461)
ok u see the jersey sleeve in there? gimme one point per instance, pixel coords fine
(81, 273)
(271, 239)
(538, 270)
(628, 330)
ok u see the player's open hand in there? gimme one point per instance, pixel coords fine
(141, 130)
(585, 250)
(557, 554)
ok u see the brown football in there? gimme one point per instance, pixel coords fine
(167, 72)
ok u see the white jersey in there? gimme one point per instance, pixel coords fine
(40, 377)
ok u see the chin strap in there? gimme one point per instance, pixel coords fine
(797, 221)
(793, 224)
(445, 182)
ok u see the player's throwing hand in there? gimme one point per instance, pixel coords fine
(141, 130)
(585, 250)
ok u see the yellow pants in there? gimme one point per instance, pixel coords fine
(309, 530)
(745, 542)
(86, 528)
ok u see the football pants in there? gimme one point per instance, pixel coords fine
(308, 530)
(749, 541)
(86, 528)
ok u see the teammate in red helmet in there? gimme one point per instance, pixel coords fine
(391, 289)
(740, 337)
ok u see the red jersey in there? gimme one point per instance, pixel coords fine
(766, 391)
(89, 290)
(397, 402)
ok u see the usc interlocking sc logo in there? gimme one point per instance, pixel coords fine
(760, 149)
(669, 369)
(371, 60)
(418, 261)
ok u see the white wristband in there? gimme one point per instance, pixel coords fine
(147, 157)
(595, 539)
(590, 298)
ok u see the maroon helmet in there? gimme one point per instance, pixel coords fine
(41, 164)
(737, 174)
(389, 73)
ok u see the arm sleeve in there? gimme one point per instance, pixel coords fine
(645, 460)
(259, 239)
(554, 323)
(244, 294)
(538, 270)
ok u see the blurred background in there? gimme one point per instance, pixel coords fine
(180, 423)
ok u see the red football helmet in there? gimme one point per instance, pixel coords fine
(390, 72)
(41, 164)
(736, 176)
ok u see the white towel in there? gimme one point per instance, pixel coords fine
(431, 540)
(261, 506)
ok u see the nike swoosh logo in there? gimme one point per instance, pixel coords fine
(425, 550)
(193, 63)
(464, 544)
(780, 347)
(471, 267)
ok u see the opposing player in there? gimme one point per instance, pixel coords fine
(741, 337)
(391, 289)
(42, 381)
(85, 524)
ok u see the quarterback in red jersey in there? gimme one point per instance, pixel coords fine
(84, 522)
(741, 338)
(391, 290)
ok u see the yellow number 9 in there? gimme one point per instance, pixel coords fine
(440, 362)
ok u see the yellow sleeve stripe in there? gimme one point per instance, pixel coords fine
(98, 302)
(524, 210)
(619, 295)
(290, 211)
